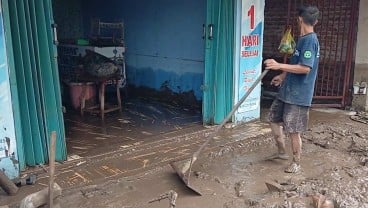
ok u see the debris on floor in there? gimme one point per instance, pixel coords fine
(171, 195)
(274, 186)
(201, 175)
(90, 191)
(28, 180)
(360, 117)
(40, 198)
(289, 189)
(240, 188)
(7, 185)
(321, 201)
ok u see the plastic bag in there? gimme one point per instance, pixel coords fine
(287, 45)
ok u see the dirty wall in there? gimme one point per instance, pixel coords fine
(8, 149)
(164, 41)
(360, 102)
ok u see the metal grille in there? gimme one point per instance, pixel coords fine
(337, 32)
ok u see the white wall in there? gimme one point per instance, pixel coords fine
(362, 46)
(360, 102)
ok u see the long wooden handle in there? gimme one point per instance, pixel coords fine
(229, 115)
(52, 168)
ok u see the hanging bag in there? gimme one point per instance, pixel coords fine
(287, 44)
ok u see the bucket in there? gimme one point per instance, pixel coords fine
(363, 88)
(75, 90)
(356, 87)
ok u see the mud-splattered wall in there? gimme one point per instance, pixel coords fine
(163, 38)
(8, 148)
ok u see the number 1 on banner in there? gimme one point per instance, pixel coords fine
(251, 15)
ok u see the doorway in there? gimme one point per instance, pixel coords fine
(170, 53)
(163, 52)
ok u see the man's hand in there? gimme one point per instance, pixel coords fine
(277, 80)
(272, 64)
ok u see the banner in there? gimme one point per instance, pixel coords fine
(250, 58)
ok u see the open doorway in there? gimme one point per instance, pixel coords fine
(162, 53)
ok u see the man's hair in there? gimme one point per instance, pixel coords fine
(309, 14)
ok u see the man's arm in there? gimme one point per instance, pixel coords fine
(291, 68)
(295, 68)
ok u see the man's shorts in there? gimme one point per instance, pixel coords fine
(294, 117)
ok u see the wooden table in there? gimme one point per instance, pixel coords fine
(101, 107)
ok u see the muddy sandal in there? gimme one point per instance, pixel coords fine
(281, 156)
(293, 168)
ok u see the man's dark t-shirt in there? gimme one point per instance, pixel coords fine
(298, 89)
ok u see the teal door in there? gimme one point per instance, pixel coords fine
(34, 79)
(218, 77)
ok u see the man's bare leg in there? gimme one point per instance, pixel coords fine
(279, 138)
(296, 146)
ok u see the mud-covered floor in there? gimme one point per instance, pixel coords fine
(335, 155)
(141, 120)
(231, 173)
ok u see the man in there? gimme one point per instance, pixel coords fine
(290, 110)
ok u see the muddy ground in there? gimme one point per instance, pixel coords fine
(334, 163)
(233, 173)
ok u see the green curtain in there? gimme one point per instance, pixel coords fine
(218, 83)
